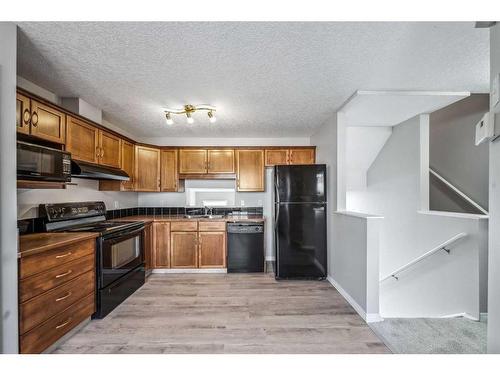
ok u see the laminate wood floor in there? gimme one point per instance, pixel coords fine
(228, 313)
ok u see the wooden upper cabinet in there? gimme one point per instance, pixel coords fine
(161, 245)
(169, 173)
(212, 249)
(192, 161)
(82, 140)
(23, 114)
(302, 156)
(250, 170)
(128, 156)
(220, 161)
(147, 168)
(277, 157)
(47, 122)
(110, 149)
(184, 249)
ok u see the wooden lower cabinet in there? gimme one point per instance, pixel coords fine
(149, 246)
(212, 250)
(57, 295)
(161, 257)
(184, 249)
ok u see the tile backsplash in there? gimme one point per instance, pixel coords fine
(34, 225)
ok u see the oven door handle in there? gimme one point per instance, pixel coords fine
(124, 233)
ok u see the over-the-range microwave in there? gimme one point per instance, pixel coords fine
(36, 162)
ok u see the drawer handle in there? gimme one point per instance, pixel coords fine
(64, 324)
(63, 297)
(64, 255)
(63, 274)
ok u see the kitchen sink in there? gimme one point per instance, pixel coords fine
(204, 216)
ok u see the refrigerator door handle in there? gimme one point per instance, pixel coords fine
(276, 190)
(277, 214)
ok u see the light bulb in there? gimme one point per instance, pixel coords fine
(169, 119)
(211, 117)
(189, 118)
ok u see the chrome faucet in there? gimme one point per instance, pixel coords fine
(207, 210)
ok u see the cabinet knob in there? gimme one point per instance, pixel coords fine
(34, 119)
(26, 116)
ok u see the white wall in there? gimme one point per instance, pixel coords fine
(454, 155)
(8, 232)
(396, 186)
(356, 261)
(325, 140)
(363, 143)
(494, 209)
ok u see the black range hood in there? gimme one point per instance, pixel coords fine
(80, 169)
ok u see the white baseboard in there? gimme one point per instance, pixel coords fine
(369, 318)
(189, 270)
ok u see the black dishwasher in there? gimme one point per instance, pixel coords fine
(245, 247)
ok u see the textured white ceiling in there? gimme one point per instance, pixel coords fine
(267, 79)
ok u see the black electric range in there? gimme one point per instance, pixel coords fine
(120, 268)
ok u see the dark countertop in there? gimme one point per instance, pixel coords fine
(35, 243)
(229, 218)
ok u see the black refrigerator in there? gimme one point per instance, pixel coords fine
(300, 221)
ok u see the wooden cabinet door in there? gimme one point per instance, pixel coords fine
(128, 164)
(161, 245)
(250, 170)
(147, 169)
(192, 161)
(47, 123)
(277, 157)
(149, 246)
(110, 149)
(82, 140)
(220, 161)
(302, 156)
(23, 114)
(184, 249)
(212, 249)
(169, 174)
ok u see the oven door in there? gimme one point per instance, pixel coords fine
(120, 253)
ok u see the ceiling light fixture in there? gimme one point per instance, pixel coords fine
(188, 110)
(212, 117)
(169, 118)
(189, 118)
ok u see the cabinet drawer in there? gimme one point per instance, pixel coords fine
(42, 262)
(212, 226)
(39, 309)
(37, 284)
(184, 226)
(44, 335)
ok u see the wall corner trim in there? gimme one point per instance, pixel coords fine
(369, 318)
